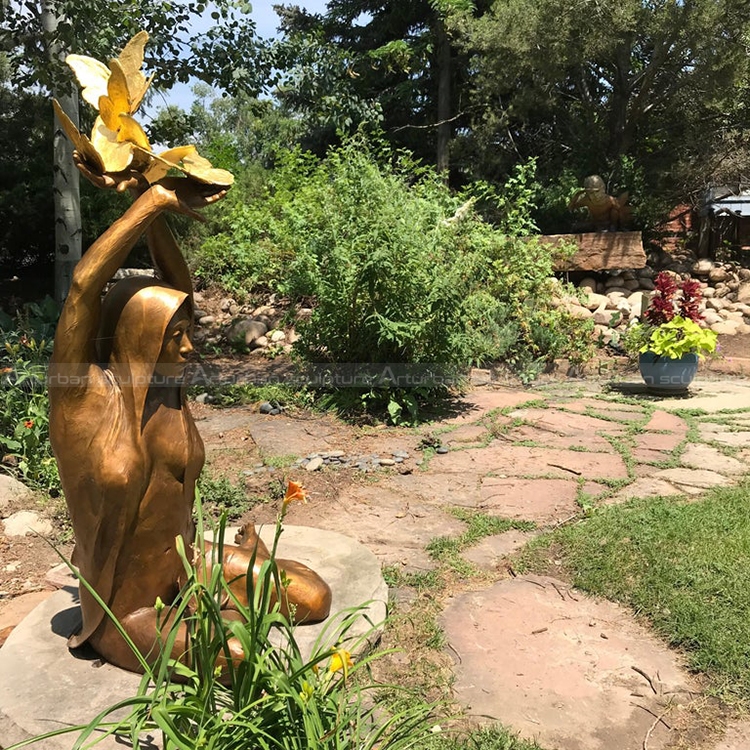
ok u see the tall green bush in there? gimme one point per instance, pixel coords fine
(399, 268)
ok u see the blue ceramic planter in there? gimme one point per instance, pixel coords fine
(665, 375)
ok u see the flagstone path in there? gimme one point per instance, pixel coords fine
(571, 671)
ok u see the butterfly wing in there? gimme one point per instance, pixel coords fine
(82, 144)
(115, 155)
(92, 75)
(131, 62)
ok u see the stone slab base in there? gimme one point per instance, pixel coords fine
(599, 251)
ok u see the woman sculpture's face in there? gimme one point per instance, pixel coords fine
(176, 347)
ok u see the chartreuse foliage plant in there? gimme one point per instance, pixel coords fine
(399, 269)
(274, 698)
(679, 337)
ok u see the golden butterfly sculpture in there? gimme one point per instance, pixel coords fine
(117, 141)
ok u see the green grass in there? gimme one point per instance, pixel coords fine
(446, 550)
(221, 495)
(232, 394)
(683, 565)
(485, 738)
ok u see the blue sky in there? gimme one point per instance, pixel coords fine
(266, 22)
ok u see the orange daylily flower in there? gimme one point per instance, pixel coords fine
(28, 423)
(342, 659)
(295, 491)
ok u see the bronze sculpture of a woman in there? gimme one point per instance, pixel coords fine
(127, 448)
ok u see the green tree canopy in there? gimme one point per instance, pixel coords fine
(397, 58)
(628, 89)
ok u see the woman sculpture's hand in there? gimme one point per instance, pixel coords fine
(185, 196)
(121, 181)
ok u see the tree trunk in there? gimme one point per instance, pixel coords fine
(67, 197)
(444, 130)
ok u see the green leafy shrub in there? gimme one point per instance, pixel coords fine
(222, 496)
(25, 349)
(399, 268)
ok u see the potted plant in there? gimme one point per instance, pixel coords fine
(670, 340)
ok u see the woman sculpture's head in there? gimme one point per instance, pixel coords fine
(176, 345)
(145, 330)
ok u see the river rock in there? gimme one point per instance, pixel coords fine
(594, 301)
(314, 464)
(27, 522)
(703, 267)
(717, 303)
(604, 316)
(246, 331)
(638, 302)
(11, 490)
(726, 327)
(712, 317)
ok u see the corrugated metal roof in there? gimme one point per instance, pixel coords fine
(734, 208)
(722, 200)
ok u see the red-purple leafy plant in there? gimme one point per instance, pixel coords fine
(690, 301)
(671, 299)
(671, 326)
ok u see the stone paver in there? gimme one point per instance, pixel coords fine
(468, 433)
(394, 526)
(630, 412)
(564, 423)
(583, 440)
(658, 441)
(557, 666)
(521, 461)
(737, 737)
(492, 549)
(662, 420)
(700, 479)
(477, 404)
(644, 487)
(711, 396)
(732, 439)
(543, 501)
(698, 456)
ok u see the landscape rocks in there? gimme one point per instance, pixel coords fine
(12, 490)
(246, 331)
(339, 459)
(616, 300)
(260, 329)
(27, 522)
